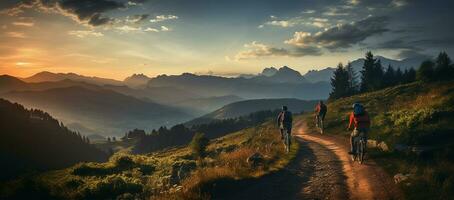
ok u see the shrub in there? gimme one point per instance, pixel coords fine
(112, 187)
(124, 162)
(199, 144)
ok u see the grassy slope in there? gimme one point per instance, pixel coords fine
(156, 175)
(414, 114)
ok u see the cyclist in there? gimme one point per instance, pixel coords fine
(320, 112)
(359, 118)
(284, 121)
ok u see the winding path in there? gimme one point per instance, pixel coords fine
(322, 169)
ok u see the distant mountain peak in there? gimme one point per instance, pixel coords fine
(137, 80)
(288, 70)
(269, 71)
(46, 76)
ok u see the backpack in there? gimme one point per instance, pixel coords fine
(286, 117)
(361, 121)
(358, 110)
(323, 108)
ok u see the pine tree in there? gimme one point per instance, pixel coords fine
(352, 82)
(389, 78)
(426, 71)
(377, 77)
(367, 73)
(399, 77)
(339, 83)
(410, 75)
(444, 70)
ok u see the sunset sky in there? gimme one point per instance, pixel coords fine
(116, 38)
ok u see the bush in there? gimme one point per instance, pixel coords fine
(199, 144)
(88, 170)
(124, 162)
(112, 187)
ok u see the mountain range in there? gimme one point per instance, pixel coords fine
(86, 107)
(94, 105)
(326, 74)
(243, 108)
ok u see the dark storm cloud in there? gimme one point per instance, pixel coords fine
(342, 36)
(86, 11)
(306, 51)
(258, 50)
(412, 54)
(398, 43)
(138, 1)
(137, 18)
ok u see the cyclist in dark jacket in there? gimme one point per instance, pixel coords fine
(284, 121)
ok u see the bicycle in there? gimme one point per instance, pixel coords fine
(319, 123)
(359, 144)
(287, 139)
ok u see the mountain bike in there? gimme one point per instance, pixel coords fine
(359, 144)
(287, 138)
(319, 123)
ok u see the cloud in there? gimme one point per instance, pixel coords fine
(84, 11)
(149, 29)
(258, 50)
(281, 23)
(311, 21)
(83, 34)
(165, 28)
(161, 18)
(133, 29)
(308, 11)
(137, 18)
(127, 29)
(14, 34)
(27, 24)
(343, 35)
(136, 2)
(412, 54)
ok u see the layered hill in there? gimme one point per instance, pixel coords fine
(34, 140)
(247, 88)
(246, 107)
(49, 76)
(99, 109)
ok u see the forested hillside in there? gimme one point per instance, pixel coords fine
(33, 140)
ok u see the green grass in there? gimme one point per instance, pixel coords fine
(414, 114)
(168, 174)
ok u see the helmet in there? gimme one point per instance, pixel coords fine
(356, 104)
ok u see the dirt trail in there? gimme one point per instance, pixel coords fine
(322, 169)
(366, 181)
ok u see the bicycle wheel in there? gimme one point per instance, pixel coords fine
(362, 151)
(287, 141)
(354, 151)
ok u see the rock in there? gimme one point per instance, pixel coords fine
(255, 159)
(398, 178)
(383, 146)
(181, 170)
(372, 143)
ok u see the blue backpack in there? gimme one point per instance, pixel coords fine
(358, 109)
